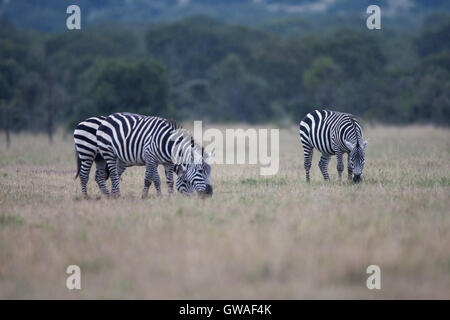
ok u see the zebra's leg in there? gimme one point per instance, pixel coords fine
(323, 165)
(340, 164)
(120, 168)
(114, 175)
(157, 181)
(148, 179)
(168, 169)
(307, 155)
(100, 176)
(349, 168)
(85, 169)
(151, 175)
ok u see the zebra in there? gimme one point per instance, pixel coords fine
(333, 133)
(129, 139)
(86, 152)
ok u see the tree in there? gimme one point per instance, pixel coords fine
(116, 85)
(322, 80)
(10, 74)
(435, 35)
(239, 95)
(356, 52)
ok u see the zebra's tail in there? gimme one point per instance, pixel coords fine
(77, 157)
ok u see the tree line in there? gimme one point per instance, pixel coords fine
(201, 68)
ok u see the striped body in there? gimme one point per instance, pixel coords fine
(333, 133)
(85, 138)
(130, 139)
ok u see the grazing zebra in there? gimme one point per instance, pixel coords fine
(128, 139)
(333, 133)
(86, 151)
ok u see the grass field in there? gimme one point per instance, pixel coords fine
(257, 237)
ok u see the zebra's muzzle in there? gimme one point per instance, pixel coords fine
(208, 191)
(357, 178)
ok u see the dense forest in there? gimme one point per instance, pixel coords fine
(275, 68)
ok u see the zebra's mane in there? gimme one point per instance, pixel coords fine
(196, 146)
(176, 126)
(352, 119)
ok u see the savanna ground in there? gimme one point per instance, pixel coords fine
(257, 237)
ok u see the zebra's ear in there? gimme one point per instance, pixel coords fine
(349, 145)
(365, 143)
(177, 169)
(210, 155)
(196, 157)
(181, 169)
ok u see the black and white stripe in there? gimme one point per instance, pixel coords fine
(126, 139)
(184, 187)
(86, 150)
(333, 133)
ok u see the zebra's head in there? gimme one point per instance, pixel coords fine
(184, 187)
(191, 163)
(356, 158)
(198, 175)
(195, 175)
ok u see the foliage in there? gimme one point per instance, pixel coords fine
(116, 85)
(202, 68)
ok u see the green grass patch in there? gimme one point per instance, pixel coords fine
(430, 182)
(275, 181)
(6, 220)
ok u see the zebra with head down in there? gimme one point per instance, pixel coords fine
(126, 139)
(194, 173)
(86, 151)
(333, 133)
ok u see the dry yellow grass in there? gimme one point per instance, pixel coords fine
(257, 237)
